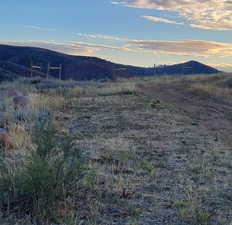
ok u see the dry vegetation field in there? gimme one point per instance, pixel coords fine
(147, 151)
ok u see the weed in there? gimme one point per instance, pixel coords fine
(148, 168)
(91, 179)
(193, 213)
(134, 211)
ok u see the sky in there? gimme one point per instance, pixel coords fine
(133, 32)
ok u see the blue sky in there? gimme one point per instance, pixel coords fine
(136, 32)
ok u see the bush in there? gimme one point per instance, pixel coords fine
(39, 182)
(228, 83)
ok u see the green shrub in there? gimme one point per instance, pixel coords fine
(38, 182)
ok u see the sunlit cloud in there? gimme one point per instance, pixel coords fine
(162, 20)
(71, 47)
(179, 48)
(124, 47)
(185, 48)
(227, 67)
(189, 48)
(201, 14)
(39, 28)
(65, 47)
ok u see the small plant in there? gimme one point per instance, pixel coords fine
(91, 179)
(134, 211)
(193, 213)
(148, 168)
(203, 217)
(44, 134)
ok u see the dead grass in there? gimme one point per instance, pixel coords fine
(146, 166)
(212, 90)
(52, 102)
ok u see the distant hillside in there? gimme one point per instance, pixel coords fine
(17, 60)
(190, 67)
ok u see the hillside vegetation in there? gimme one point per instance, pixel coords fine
(141, 151)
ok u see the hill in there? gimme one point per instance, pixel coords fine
(18, 60)
(190, 67)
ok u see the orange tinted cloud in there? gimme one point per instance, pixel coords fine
(185, 48)
(197, 48)
(162, 20)
(71, 47)
(201, 14)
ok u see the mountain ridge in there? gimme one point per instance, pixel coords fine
(86, 67)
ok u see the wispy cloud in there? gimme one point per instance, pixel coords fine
(64, 47)
(70, 47)
(201, 14)
(39, 28)
(227, 67)
(124, 47)
(162, 20)
(103, 37)
(198, 48)
(185, 48)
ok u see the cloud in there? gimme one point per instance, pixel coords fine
(124, 47)
(227, 67)
(162, 20)
(39, 28)
(198, 48)
(190, 48)
(185, 48)
(65, 47)
(201, 14)
(103, 37)
(71, 47)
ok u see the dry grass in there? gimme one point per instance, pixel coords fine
(21, 137)
(172, 79)
(212, 90)
(52, 102)
(145, 166)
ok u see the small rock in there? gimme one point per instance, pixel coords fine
(6, 140)
(155, 103)
(21, 100)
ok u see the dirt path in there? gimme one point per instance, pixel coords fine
(213, 114)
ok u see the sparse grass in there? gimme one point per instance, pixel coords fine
(98, 153)
(212, 90)
(192, 212)
(107, 89)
